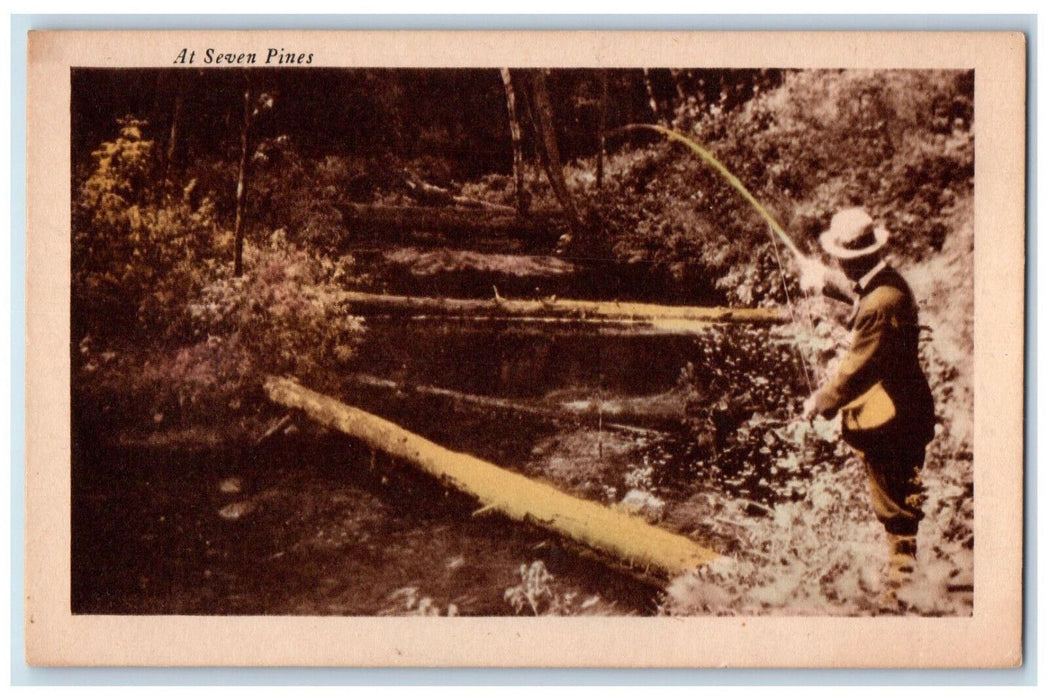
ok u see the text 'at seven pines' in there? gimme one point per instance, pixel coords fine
(212, 56)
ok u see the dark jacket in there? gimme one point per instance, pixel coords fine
(884, 349)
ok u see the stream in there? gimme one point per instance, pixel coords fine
(312, 523)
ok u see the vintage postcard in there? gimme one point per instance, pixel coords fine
(525, 349)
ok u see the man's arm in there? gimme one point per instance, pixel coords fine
(861, 366)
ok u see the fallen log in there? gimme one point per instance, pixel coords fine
(574, 411)
(626, 538)
(454, 222)
(616, 327)
(654, 315)
(432, 196)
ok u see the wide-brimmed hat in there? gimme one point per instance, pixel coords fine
(853, 234)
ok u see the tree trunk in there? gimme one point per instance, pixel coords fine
(238, 226)
(602, 127)
(668, 319)
(453, 222)
(159, 90)
(678, 84)
(652, 102)
(518, 148)
(176, 118)
(610, 533)
(542, 114)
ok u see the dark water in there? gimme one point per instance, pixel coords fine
(325, 528)
(589, 278)
(508, 360)
(511, 360)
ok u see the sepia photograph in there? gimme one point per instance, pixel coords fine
(668, 340)
(574, 277)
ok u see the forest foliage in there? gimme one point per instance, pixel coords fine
(897, 143)
(155, 172)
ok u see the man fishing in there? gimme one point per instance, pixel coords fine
(886, 406)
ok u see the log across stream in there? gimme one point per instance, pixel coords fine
(619, 539)
(625, 538)
(633, 316)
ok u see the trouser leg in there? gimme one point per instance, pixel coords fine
(894, 478)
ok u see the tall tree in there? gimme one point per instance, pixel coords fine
(652, 101)
(542, 118)
(252, 110)
(678, 84)
(601, 128)
(518, 149)
(238, 226)
(176, 119)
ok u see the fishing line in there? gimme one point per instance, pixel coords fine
(789, 305)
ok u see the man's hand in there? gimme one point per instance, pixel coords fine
(808, 412)
(812, 275)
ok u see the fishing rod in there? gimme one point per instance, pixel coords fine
(802, 260)
(727, 175)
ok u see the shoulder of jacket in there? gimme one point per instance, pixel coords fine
(883, 297)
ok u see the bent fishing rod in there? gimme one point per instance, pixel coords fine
(722, 169)
(711, 160)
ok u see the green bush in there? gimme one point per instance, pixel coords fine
(287, 191)
(283, 316)
(157, 314)
(285, 313)
(140, 245)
